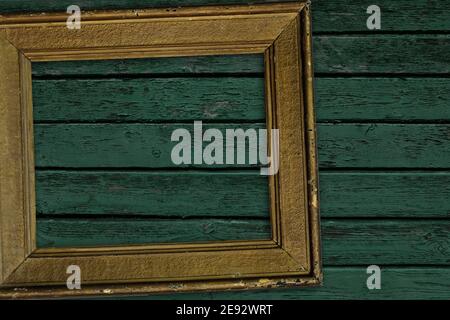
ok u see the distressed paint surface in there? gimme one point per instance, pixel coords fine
(241, 97)
(343, 193)
(350, 283)
(345, 242)
(153, 193)
(382, 53)
(238, 64)
(329, 15)
(121, 145)
(172, 99)
(388, 160)
(86, 232)
(349, 145)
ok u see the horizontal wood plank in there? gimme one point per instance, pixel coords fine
(382, 99)
(149, 145)
(399, 194)
(336, 54)
(399, 15)
(345, 242)
(350, 194)
(169, 194)
(235, 98)
(174, 99)
(230, 64)
(120, 145)
(179, 193)
(402, 283)
(384, 145)
(393, 54)
(328, 15)
(333, 54)
(392, 242)
(386, 53)
(83, 232)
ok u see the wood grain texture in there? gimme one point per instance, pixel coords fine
(337, 54)
(170, 193)
(345, 194)
(116, 145)
(399, 15)
(384, 145)
(233, 98)
(328, 15)
(402, 283)
(382, 99)
(149, 145)
(190, 33)
(396, 194)
(83, 232)
(381, 242)
(394, 54)
(340, 54)
(399, 194)
(185, 99)
(247, 63)
(49, 5)
(345, 242)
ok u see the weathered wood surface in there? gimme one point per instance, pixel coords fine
(385, 53)
(384, 145)
(342, 193)
(363, 77)
(399, 194)
(386, 242)
(169, 194)
(49, 5)
(149, 145)
(172, 99)
(328, 15)
(399, 15)
(117, 145)
(382, 99)
(234, 64)
(339, 54)
(402, 283)
(345, 242)
(235, 98)
(84, 232)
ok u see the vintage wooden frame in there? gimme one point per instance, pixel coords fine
(291, 257)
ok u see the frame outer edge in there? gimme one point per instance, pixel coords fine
(160, 12)
(312, 193)
(313, 178)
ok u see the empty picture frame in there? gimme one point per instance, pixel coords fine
(292, 257)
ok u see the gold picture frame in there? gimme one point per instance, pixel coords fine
(291, 258)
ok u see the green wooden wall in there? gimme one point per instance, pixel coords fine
(103, 151)
(383, 119)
